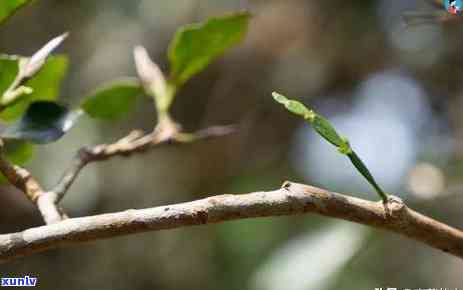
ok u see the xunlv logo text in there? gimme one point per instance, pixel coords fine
(18, 282)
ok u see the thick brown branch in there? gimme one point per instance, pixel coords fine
(291, 199)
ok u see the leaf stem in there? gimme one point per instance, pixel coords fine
(361, 167)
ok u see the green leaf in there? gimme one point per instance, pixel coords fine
(8, 7)
(8, 70)
(320, 124)
(17, 152)
(294, 107)
(113, 100)
(45, 84)
(28, 67)
(280, 98)
(298, 109)
(344, 148)
(43, 122)
(326, 130)
(195, 46)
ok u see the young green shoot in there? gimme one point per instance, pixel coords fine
(323, 127)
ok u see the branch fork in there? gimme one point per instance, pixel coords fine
(136, 141)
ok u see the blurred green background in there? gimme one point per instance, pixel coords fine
(394, 90)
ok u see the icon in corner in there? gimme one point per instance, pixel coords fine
(454, 6)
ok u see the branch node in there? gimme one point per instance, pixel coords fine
(51, 213)
(286, 185)
(394, 207)
(27, 183)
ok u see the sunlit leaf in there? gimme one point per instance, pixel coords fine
(195, 46)
(319, 123)
(8, 71)
(294, 107)
(43, 122)
(113, 100)
(8, 7)
(326, 130)
(45, 84)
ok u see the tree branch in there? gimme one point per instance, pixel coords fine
(21, 179)
(291, 199)
(132, 143)
(135, 142)
(25, 182)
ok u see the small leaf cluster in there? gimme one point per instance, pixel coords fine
(29, 86)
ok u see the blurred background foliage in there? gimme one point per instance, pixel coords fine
(395, 90)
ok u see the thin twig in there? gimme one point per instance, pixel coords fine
(133, 143)
(291, 199)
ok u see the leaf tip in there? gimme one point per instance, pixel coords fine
(279, 98)
(37, 60)
(149, 73)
